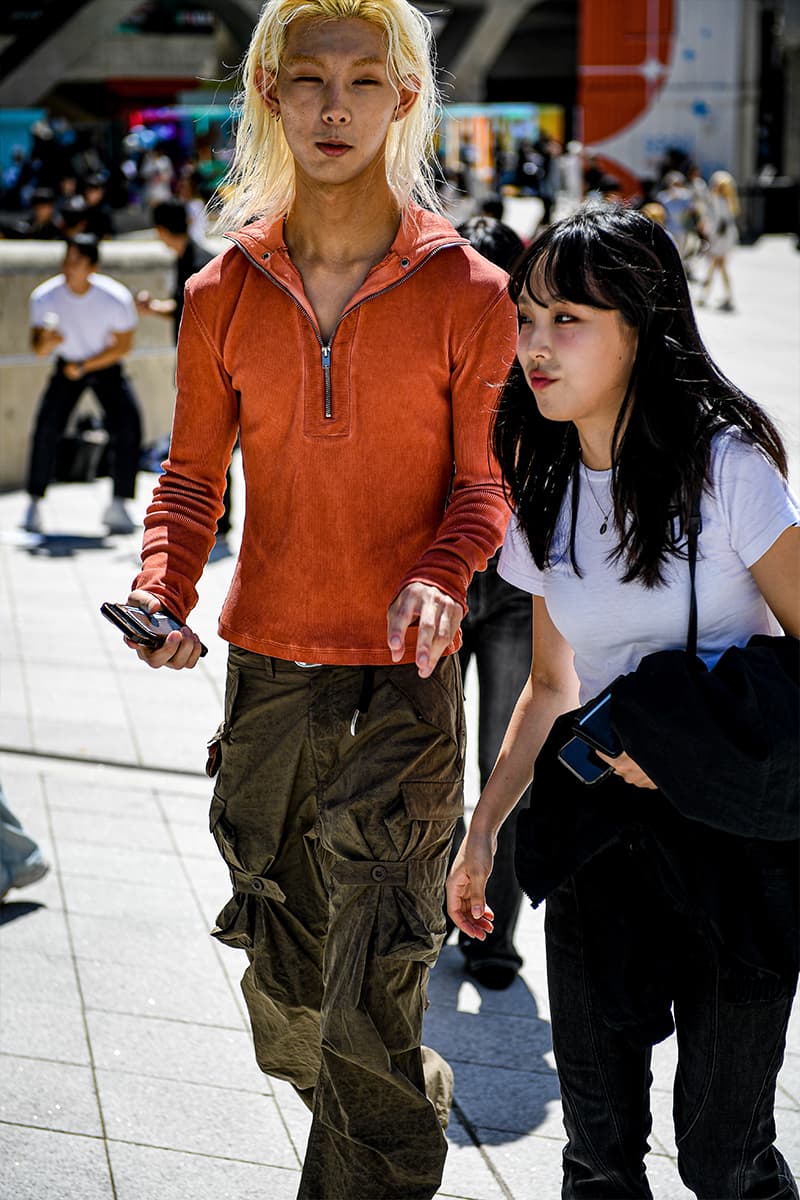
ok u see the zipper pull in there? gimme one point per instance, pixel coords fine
(326, 368)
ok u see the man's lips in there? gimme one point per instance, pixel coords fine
(333, 149)
(538, 380)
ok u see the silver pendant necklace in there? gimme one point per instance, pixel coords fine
(605, 515)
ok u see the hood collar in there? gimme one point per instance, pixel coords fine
(420, 233)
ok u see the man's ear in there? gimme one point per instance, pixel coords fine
(407, 100)
(265, 86)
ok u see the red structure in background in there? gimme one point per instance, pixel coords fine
(624, 53)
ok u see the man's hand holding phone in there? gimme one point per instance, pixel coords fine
(182, 648)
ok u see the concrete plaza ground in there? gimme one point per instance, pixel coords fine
(125, 1065)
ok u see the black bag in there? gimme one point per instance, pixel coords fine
(80, 455)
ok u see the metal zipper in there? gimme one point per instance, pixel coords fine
(326, 374)
(326, 349)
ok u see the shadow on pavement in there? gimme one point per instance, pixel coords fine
(65, 545)
(12, 910)
(496, 1043)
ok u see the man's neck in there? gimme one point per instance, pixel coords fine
(79, 289)
(341, 227)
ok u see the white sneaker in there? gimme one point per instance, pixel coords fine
(116, 518)
(33, 518)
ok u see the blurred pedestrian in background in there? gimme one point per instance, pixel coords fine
(99, 219)
(721, 232)
(676, 199)
(41, 223)
(88, 320)
(497, 635)
(21, 861)
(171, 222)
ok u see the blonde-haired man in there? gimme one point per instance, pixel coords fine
(356, 343)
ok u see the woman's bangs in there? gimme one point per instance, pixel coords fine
(563, 272)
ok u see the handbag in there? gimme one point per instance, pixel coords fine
(723, 745)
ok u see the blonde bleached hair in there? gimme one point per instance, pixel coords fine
(724, 183)
(261, 179)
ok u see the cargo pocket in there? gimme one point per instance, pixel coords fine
(438, 702)
(223, 731)
(411, 923)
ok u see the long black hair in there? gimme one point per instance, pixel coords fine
(676, 399)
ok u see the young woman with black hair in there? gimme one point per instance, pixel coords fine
(629, 421)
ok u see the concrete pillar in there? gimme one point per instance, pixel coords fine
(791, 123)
(747, 140)
(476, 57)
(25, 86)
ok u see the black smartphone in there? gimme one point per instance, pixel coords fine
(594, 726)
(144, 628)
(579, 758)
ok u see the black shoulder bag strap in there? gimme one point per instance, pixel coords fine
(693, 528)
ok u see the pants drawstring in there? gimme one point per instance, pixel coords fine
(364, 697)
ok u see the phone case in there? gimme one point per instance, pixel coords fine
(576, 756)
(594, 726)
(138, 628)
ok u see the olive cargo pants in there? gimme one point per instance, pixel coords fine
(334, 808)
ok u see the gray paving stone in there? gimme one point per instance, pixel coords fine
(195, 1118)
(131, 941)
(176, 1050)
(27, 974)
(496, 1041)
(665, 1182)
(787, 1123)
(144, 1173)
(204, 999)
(40, 1007)
(16, 731)
(39, 1165)
(509, 1102)
(51, 1031)
(48, 1095)
(128, 832)
(466, 1170)
(530, 1166)
(103, 797)
(103, 740)
(26, 924)
(116, 864)
(190, 805)
(194, 841)
(294, 1114)
(788, 1093)
(121, 899)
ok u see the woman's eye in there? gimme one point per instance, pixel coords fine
(564, 319)
(363, 82)
(306, 79)
(523, 320)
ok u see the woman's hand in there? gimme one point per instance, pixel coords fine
(628, 770)
(466, 884)
(181, 648)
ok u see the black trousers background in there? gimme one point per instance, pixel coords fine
(121, 411)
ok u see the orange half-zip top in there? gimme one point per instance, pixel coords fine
(366, 457)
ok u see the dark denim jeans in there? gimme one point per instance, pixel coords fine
(121, 410)
(730, 1049)
(497, 633)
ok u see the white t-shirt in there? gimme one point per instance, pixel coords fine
(86, 322)
(611, 625)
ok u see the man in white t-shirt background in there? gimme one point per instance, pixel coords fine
(88, 320)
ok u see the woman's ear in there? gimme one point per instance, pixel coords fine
(265, 86)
